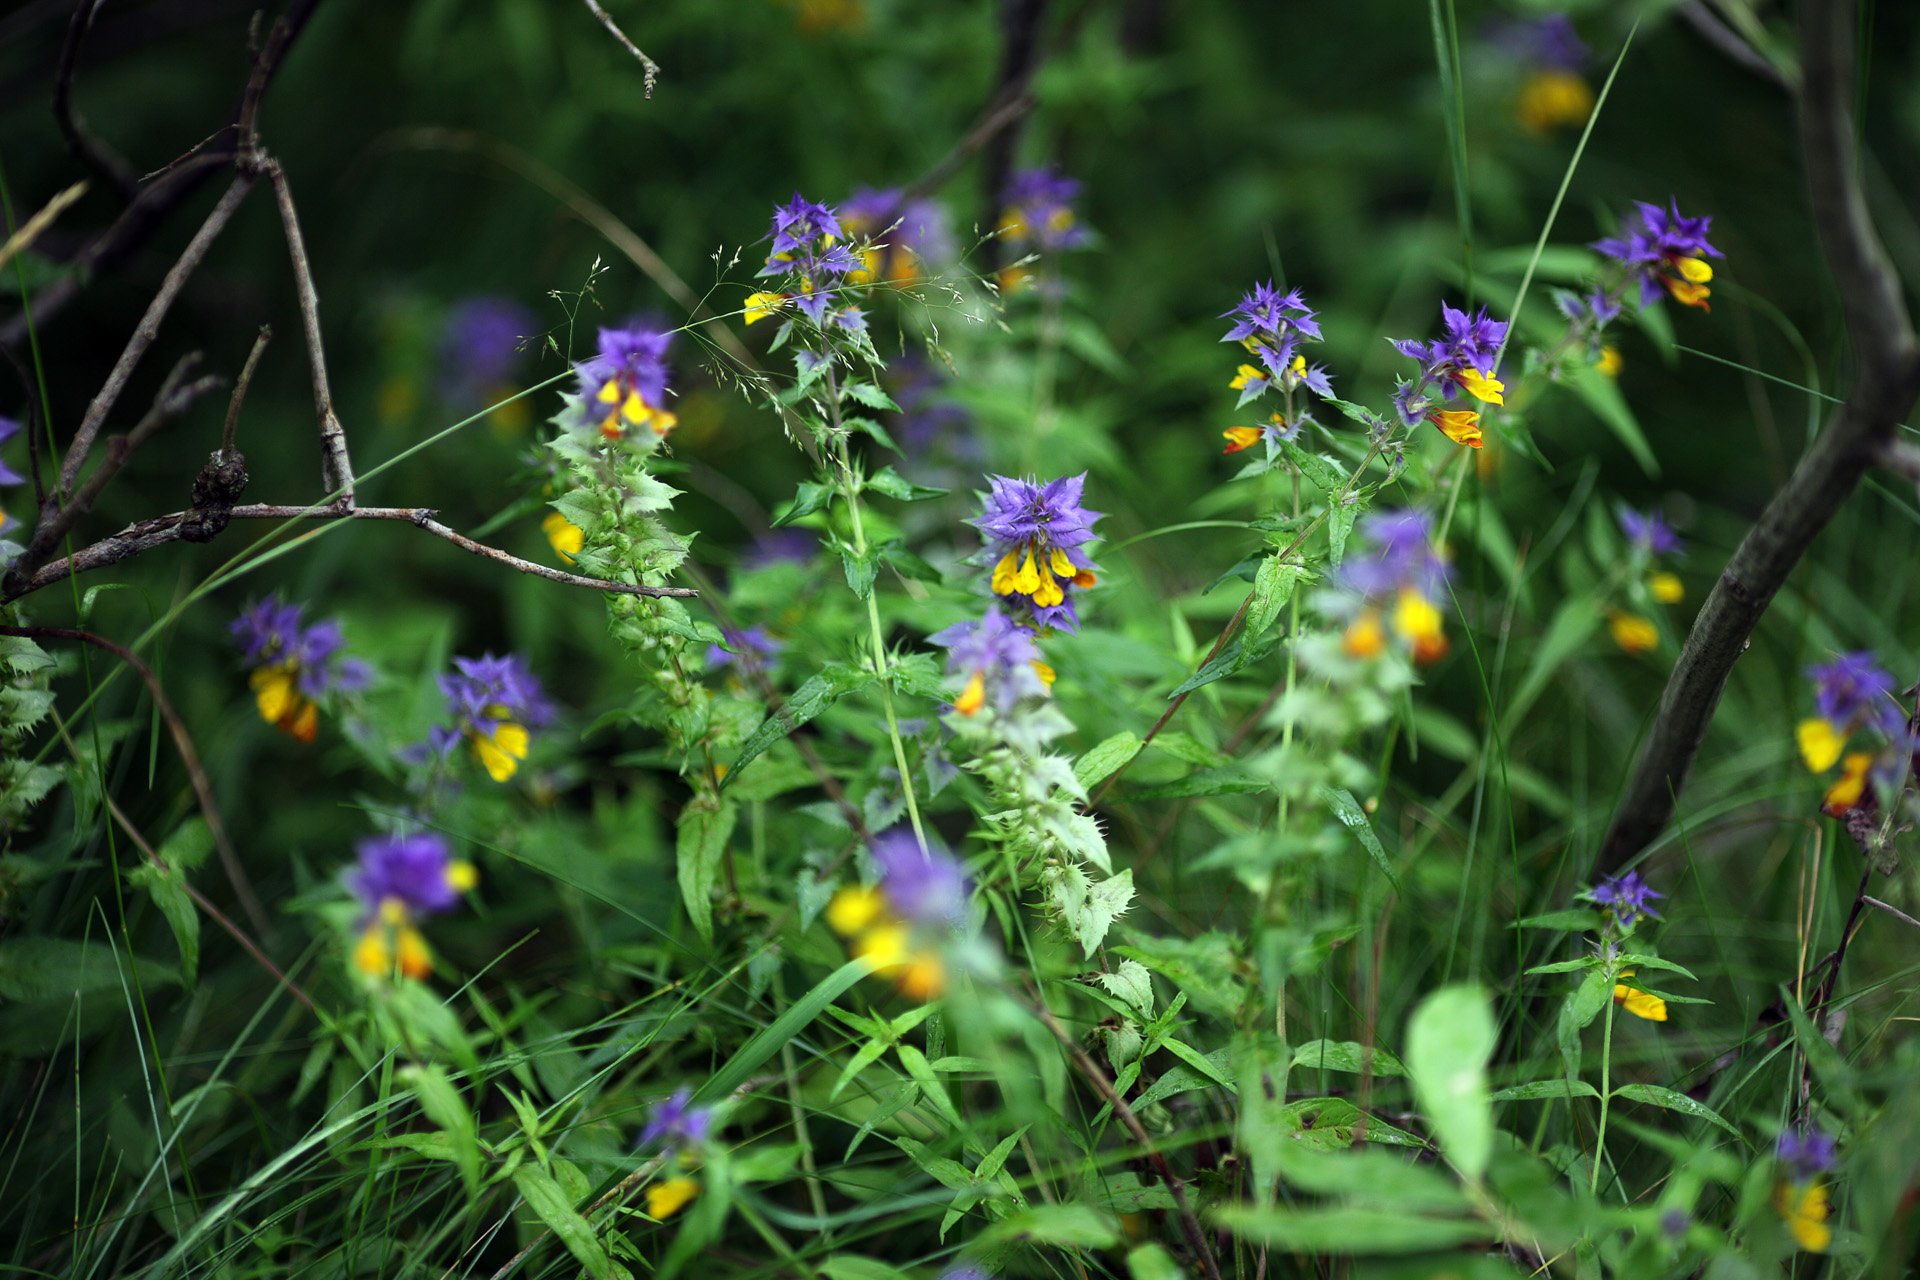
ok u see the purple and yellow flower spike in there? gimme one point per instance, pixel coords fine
(624, 386)
(1463, 360)
(401, 880)
(294, 665)
(1036, 539)
(1800, 1195)
(1665, 251)
(495, 702)
(1395, 578)
(1850, 693)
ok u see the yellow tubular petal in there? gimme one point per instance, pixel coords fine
(1688, 294)
(1364, 638)
(1694, 270)
(1639, 1003)
(1239, 438)
(415, 960)
(566, 537)
(886, 945)
(1481, 386)
(302, 721)
(664, 1199)
(609, 392)
(1045, 672)
(1667, 588)
(973, 697)
(1004, 574)
(1462, 426)
(1821, 743)
(273, 692)
(461, 876)
(1633, 633)
(1609, 362)
(1048, 593)
(1847, 790)
(501, 752)
(1027, 580)
(370, 954)
(1805, 1209)
(1244, 375)
(853, 909)
(1061, 566)
(1415, 618)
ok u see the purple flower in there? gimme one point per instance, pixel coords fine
(1853, 690)
(925, 888)
(489, 689)
(1036, 537)
(807, 247)
(1546, 41)
(9, 428)
(780, 546)
(1395, 554)
(801, 224)
(480, 346)
(1037, 211)
(748, 650)
(1806, 1155)
(1266, 314)
(919, 226)
(1628, 897)
(1650, 532)
(272, 638)
(997, 661)
(675, 1122)
(624, 385)
(965, 1273)
(417, 872)
(1665, 250)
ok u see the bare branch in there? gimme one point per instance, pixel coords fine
(89, 150)
(145, 535)
(1891, 910)
(241, 384)
(648, 67)
(1887, 385)
(183, 743)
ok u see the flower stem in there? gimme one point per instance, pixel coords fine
(1606, 1094)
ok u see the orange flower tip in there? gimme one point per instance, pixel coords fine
(1239, 438)
(1462, 426)
(1428, 650)
(1084, 578)
(973, 696)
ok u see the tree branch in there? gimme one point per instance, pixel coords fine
(89, 150)
(145, 535)
(648, 67)
(1886, 387)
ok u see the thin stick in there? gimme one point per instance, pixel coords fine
(648, 67)
(1885, 391)
(336, 468)
(148, 534)
(241, 384)
(183, 743)
(89, 150)
(39, 222)
(1189, 1224)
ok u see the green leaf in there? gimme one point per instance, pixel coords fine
(1656, 1096)
(1103, 759)
(808, 701)
(845, 1266)
(890, 482)
(1602, 395)
(1132, 983)
(1072, 1226)
(1334, 1124)
(922, 1074)
(1577, 920)
(185, 849)
(1567, 966)
(767, 1041)
(1347, 1055)
(1536, 1090)
(555, 1208)
(1374, 1176)
(442, 1104)
(1354, 818)
(1450, 1040)
(699, 850)
(1639, 960)
(1207, 782)
(1151, 1262)
(862, 569)
(810, 497)
(54, 970)
(1362, 1232)
(869, 395)
(1272, 587)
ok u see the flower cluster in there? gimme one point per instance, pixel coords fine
(400, 880)
(1036, 541)
(901, 923)
(1271, 326)
(906, 238)
(1627, 900)
(295, 666)
(1393, 583)
(1037, 216)
(1664, 251)
(1649, 540)
(480, 348)
(1554, 93)
(495, 704)
(1463, 360)
(1854, 696)
(624, 386)
(746, 651)
(810, 255)
(681, 1129)
(999, 662)
(1799, 1195)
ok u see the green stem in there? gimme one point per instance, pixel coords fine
(1606, 1095)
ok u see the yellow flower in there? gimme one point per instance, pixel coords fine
(1821, 743)
(1550, 99)
(1046, 673)
(853, 909)
(1239, 438)
(1462, 426)
(1609, 362)
(1482, 386)
(1804, 1207)
(1640, 1004)
(1417, 620)
(1244, 375)
(1667, 588)
(1364, 638)
(664, 1199)
(762, 305)
(276, 692)
(973, 697)
(1846, 791)
(392, 940)
(501, 751)
(1688, 293)
(566, 537)
(1633, 633)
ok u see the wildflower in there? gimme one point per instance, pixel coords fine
(1666, 251)
(746, 651)
(1037, 211)
(624, 386)
(402, 879)
(1799, 1196)
(495, 702)
(9, 427)
(1036, 535)
(566, 537)
(914, 235)
(1551, 99)
(901, 923)
(1641, 1004)
(1627, 897)
(1633, 633)
(669, 1196)
(806, 249)
(761, 304)
(676, 1123)
(1271, 325)
(1667, 588)
(1396, 576)
(1608, 362)
(1239, 438)
(294, 666)
(1554, 93)
(996, 659)
(480, 347)
(1850, 692)
(1463, 360)
(1848, 789)
(1650, 532)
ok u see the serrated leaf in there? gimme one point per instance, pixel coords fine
(810, 497)
(1104, 758)
(1273, 586)
(869, 395)
(1132, 983)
